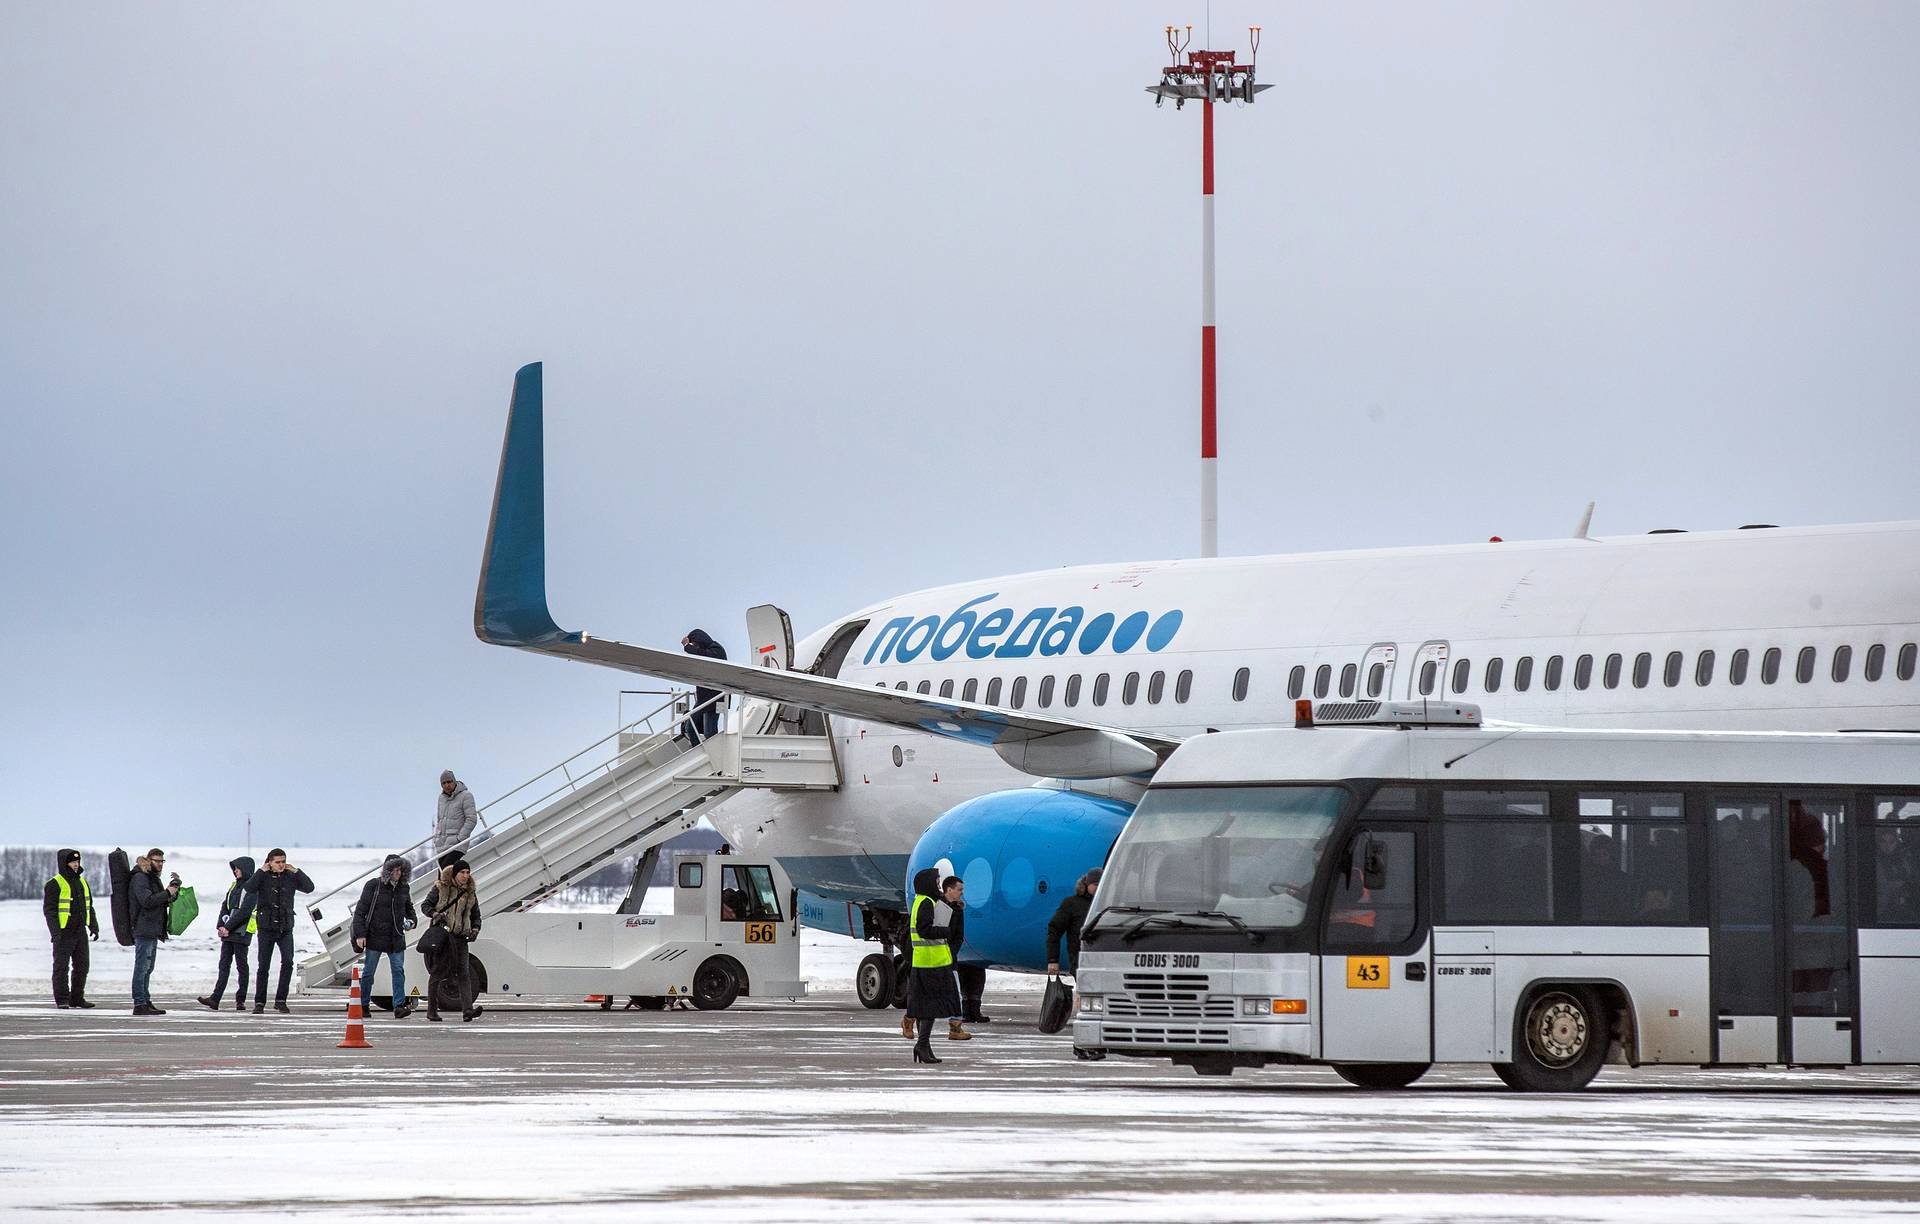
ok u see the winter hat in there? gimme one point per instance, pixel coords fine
(459, 866)
(446, 775)
(926, 882)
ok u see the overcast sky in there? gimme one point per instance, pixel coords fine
(838, 301)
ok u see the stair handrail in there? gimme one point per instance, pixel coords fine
(640, 747)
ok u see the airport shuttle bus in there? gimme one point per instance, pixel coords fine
(1386, 886)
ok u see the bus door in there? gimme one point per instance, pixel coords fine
(1375, 1003)
(1783, 975)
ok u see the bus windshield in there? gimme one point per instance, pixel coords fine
(1245, 851)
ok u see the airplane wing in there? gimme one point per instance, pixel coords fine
(510, 609)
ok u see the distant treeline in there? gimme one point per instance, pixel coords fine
(25, 870)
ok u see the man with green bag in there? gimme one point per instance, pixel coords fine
(150, 902)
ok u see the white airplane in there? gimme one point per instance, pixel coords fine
(1006, 726)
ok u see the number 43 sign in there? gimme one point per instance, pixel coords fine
(1368, 973)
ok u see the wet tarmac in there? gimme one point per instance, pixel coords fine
(813, 1110)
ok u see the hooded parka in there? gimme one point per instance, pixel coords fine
(68, 902)
(385, 909)
(236, 909)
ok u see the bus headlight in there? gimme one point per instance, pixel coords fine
(1273, 1007)
(1092, 1003)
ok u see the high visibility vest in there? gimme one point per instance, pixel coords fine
(253, 918)
(66, 897)
(927, 953)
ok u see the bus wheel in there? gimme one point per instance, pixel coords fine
(873, 981)
(1380, 1075)
(716, 985)
(1559, 1041)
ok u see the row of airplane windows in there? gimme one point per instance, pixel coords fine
(1613, 671)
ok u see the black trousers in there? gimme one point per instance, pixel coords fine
(973, 984)
(70, 959)
(282, 940)
(451, 967)
(233, 953)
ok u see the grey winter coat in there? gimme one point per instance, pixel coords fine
(454, 821)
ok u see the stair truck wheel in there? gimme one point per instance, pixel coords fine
(716, 984)
(873, 981)
(1383, 1076)
(1559, 1040)
(900, 977)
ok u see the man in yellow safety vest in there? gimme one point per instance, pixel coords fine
(68, 905)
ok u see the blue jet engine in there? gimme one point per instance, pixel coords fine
(1019, 852)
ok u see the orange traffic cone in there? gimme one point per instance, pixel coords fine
(356, 1038)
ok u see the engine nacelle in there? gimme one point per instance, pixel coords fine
(1019, 852)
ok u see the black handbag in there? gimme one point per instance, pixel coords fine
(1056, 1006)
(433, 942)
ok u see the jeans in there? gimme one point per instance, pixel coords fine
(143, 953)
(396, 968)
(233, 954)
(283, 940)
(70, 955)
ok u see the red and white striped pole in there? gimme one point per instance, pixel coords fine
(1209, 442)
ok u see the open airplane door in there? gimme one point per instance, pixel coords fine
(770, 633)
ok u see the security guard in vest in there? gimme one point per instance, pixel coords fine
(68, 905)
(932, 992)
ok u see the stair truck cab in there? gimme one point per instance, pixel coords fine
(1386, 886)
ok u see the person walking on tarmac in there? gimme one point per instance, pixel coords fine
(453, 903)
(235, 930)
(151, 902)
(953, 892)
(931, 992)
(381, 921)
(273, 887)
(1067, 921)
(705, 722)
(68, 904)
(455, 816)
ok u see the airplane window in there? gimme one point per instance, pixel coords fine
(1183, 687)
(1554, 665)
(1156, 687)
(1842, 663)
(1428, 674)
(1642, 669)
(1347, 676)
(1494, 667)
(1703, 669)
(902, 686)
(993, 691)
(1073, 689)
(1583, 672)
(1019, 692)
(1803, 668)
(1046, 692)
(1770, 665)
(1376, 676)
(1323, 680)
(1904, 669)
(1296, 683)
(1130, 690)
(1461, 671)
(1876, 661)
(1671, 673)
(1240, 681)
(970, 690)
(924, 687)
(1737, 667)
(946, 688)
(1610, 676)
(1100, 689)
(1523, 674)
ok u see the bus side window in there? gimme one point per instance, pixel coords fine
(1633, 858)
(1496, 856)
(1896, 860)
(1373, 893)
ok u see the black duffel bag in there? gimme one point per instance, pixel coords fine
(433, 942)
(1056, 1006)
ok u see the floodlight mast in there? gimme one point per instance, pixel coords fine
(1207, 76)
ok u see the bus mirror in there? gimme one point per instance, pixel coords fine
(1373, 870)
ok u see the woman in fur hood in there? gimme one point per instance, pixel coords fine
(454, 904)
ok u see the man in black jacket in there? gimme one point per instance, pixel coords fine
(235, 930)
(972, 978)
(1067, 921)
(381, 921)
(273, 887)
(68, 905)
(150, 901)
(705, 721)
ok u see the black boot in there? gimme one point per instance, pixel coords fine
(923, 1049)
(208, 1002)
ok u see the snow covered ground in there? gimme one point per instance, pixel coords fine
(187, 963)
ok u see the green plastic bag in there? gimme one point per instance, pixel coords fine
(185, 908)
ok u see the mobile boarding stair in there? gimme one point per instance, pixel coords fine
(651, 788)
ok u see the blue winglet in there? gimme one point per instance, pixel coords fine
(510, 608)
